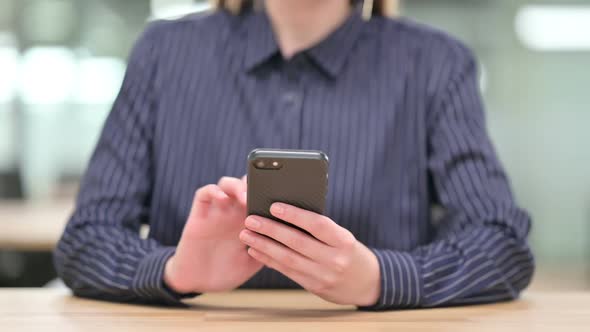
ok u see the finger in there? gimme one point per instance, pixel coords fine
(321, 227)
(245, 181)
(234, 187)
(283, 255)
(205, 196)
(221, 199)
(298, 241)
(207, 193)
(304, 281)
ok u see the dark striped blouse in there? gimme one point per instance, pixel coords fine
(394, 104)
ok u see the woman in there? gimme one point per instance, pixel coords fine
(394, 104)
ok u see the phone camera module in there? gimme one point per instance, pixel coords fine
(269, 165)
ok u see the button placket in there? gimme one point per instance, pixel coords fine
(291, 100)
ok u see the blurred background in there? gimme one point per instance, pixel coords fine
(62, 62)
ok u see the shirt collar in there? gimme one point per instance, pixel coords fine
(330, 54)
(259, 38)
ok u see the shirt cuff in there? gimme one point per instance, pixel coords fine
(401, 281)
(148, 283)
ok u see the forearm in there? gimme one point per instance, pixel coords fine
(113, 263)
(480, 265)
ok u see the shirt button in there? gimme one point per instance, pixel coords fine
(293, 75)
(298, 61)
(291, 99)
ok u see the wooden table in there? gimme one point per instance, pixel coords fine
(284, 311)
(27, 226)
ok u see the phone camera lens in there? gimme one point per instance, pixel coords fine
(260, 164)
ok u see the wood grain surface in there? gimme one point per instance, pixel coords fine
(282, 311)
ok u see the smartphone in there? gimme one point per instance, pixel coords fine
(295, 177)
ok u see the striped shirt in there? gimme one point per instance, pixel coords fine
(393, 103)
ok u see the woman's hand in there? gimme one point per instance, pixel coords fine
(332, 264)
(210, 256)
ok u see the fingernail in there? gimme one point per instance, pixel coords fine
(252, 222)
(277, 209)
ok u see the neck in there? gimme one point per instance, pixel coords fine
(300, 24)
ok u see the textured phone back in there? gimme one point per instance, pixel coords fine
(300, 182)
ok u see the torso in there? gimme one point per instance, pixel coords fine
(370, 120)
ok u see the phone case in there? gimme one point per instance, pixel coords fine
(302, 180)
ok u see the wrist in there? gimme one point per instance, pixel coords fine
(171, 279)
(372, 290)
